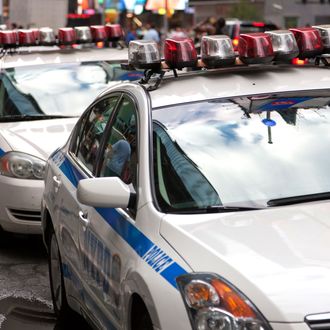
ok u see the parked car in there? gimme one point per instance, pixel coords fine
(235, 27)
(43, 91)
(202, 200)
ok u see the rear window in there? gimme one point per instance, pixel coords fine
(242, 151)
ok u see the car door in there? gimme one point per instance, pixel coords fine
(79, 163)
(105, 254)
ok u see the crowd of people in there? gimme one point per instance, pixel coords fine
(209, 26)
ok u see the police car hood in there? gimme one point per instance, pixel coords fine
(36, 137)
(278, 257)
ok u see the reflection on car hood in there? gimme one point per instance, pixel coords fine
(38, 138)
(279, 257)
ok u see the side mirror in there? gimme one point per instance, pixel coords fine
(105, 192)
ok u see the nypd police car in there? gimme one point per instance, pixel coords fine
(199, 200)
(45, 85)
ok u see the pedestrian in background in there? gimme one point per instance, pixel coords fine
(151, 33)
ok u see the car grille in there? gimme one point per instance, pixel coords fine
(25, 215)
(318, 321)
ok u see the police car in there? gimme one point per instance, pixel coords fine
(46, 82)
(200, 200)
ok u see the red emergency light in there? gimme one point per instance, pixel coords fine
(66, 36)
(180, 54)
(255, 48)
(309, 41)
(27, 38)
(114, 32)
(98, 33)
(8, 39)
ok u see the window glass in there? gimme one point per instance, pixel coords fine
(120, 154)
(63, 89)
(242, 151)
(93, 129)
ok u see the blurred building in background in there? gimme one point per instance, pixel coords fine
(292, 13)
(162, 13)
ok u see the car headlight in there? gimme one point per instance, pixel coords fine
(214, 304)
(23, 166)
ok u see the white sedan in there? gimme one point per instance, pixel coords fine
(200, 201)
(43, 91)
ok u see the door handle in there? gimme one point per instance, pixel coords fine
(83, 216)
(57, 181)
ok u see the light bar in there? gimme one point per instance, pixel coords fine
(284, 44)
(83, 34)
(8, 39)
(144, 54)
(255, 48)
(46, 36)
(217, 51)
(180, 54)
(324, 31)
(66, 36)
(114, 32)
(98, 33)
(309, 41)
(26, 38)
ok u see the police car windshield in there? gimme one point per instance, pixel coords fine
(242, 151)
(56, 89)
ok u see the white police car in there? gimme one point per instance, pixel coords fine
(199, 201)
(44, 88)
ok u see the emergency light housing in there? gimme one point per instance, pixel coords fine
(66, 36)
(98, 33)
(8, 39)
(83, 34)
(284, 45)
(144, 54)
(255, 48)
(180, 54)
(46, 36)
(324, 31)
(217, 51)
(26, 38)
(114, 32)
(309, 41)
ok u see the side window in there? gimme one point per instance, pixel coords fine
(92, 131)
(119, 157)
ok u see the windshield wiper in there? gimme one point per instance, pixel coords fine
(31, 117)
(299, 199)
(215, 209)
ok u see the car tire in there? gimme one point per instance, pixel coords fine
(57, 288)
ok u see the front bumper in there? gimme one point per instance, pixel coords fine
(20, 204)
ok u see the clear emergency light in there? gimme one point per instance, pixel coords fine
(114, 32)
(144, 54)
(83, 34)
(98, 33)
(46, 36)
(66, 36)
(8, 39)
(324, 31)
(309, 41)
(180, 54)
(255, 48)
(284, 44)
(26, 38)
(217, 51)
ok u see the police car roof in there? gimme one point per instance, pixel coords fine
(51, 55)
(237, 82)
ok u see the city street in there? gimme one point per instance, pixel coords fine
(25, 299)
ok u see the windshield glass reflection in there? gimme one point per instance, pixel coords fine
(56, 89)
(256, 148)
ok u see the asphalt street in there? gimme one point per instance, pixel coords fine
(25, 299)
